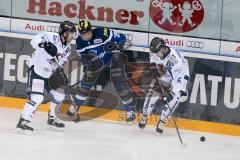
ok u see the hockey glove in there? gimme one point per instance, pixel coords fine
(168, 97)
(111, 47)
(49, 47)
(58, 79)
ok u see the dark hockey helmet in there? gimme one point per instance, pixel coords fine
(157, 44)
(67, 26)
(84, 26)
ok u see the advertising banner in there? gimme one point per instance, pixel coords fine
(194, 26)
(189, 44)
(138, 39)
(34, 27)
(230, 49)
(5, 24)
(197, 18)
(118, 14)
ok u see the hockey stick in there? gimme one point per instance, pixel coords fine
(72, 99)
(75, 108)
(179, 135)
(115, 48)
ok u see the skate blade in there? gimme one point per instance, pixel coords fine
(141, 127)
(158, 134)
(54, 128)
(71, 118)
(23, 132)
(76, 119)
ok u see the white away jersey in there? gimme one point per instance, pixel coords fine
(176, 69)
(42, 61)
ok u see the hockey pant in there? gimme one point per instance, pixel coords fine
(35, 89)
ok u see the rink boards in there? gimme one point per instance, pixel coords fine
(212, 104)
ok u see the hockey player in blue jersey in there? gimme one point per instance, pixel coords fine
(91, 48)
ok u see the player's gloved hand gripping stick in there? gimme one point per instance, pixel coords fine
(113, 47)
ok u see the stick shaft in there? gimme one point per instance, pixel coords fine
(179, 135)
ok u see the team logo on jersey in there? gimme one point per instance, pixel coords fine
(93, 52)
(177, 15)
(56, 39)
(97, 41)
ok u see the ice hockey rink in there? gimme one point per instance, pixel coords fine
(104, 140)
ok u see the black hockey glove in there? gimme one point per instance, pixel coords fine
(112, 47)
(167, 97)
(58, 79)
(49, 47)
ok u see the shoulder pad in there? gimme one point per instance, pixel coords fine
(102, 31)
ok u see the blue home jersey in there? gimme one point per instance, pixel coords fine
(95, 46)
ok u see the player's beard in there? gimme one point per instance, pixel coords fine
(67, 38)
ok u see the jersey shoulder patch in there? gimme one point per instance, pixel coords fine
(53, 37)
(56, 39)
(44, 36)
(102, 32)
(173, 60)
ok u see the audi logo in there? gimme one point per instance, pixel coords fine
(195, 44)
(52, 29)
(129, 37)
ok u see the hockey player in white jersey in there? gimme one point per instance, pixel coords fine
(51, 53)
(171, 75)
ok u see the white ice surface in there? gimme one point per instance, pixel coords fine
(101, 140)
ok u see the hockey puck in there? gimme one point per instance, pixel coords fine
(202, 138)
